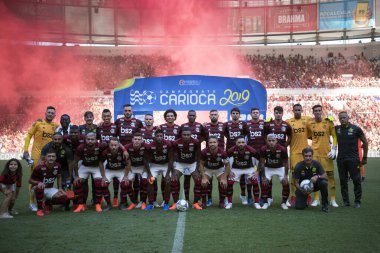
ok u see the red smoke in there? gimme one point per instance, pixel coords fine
(32, 71)
(192, 29)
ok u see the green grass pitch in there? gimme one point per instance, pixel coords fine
(241, 229)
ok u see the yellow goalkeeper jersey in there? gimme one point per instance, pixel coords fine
(320, 133)
(42, 133)
(299, 134)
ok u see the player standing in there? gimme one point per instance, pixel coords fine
(214, 162)
(41, 132)
(197, 133)
(138, 153)
(64, 128)
(186, 154)
(89, 126)
(320, 130)
(233, 129)
(298, 142)
(216, 129)
(283, 132)
(244, 159)
(274, 162)
(256, 139)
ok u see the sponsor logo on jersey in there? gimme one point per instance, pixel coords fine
(47, 135)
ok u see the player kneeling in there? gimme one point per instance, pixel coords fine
(42, 181)
(310, 169)
(243, 162)
(274, 162)
(117, 168)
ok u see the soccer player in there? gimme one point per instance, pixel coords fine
(274, 162)
(127, 126)
(233, 129)
(42, 180)
(311, 170)
(105, 131)
(41, 132)
(186, 154)
(348, 157)
(256, 139)
(117, 167)
(64, 128)
(298, 142)
(64, 156)
(214, 162)
(244, 159)
(197, 133)
(170, 129)
(89, 153)
(283, 133)
(147, 131)
(320, 130)
(10, 184)
(74, 138)
(89, 126)
(216, 129)
(138, 153)
(161, 162)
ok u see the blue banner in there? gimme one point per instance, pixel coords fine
(346, 14)
(186, 92)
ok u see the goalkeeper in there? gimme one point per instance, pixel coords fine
(311, 170)
(321, 129)
(42, 133)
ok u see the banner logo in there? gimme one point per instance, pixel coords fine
(143, 97)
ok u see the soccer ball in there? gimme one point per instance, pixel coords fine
(182, 205)
(149, 97)
(307, 185)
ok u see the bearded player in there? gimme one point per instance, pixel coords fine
(42, 133)
(214, 162)
(117, 167)
(256, 139)
(90, 155)
(186, 154)
(196, 130)
(297, 144)
(243, 159)
(283, 132)
(216, 129)
(320, 130)
(138, 153)
(42, 181)
(274, 162)
(235, 128)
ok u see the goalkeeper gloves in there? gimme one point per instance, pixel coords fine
(332, 154)
(268, 119)
(330, 118)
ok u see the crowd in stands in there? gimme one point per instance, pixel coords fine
(364, 111)
(309, 72)
(274, 71)
(293, 71)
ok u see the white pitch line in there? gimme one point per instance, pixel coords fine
(179, 233)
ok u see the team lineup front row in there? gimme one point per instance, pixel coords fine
(133, 156)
